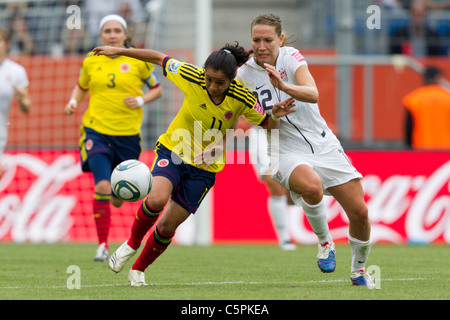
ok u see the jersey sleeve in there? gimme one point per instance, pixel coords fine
(22, 78)
(252, 110)
(181, 73)
(295, 59)
(257, 115)
(84, 79)
(149, 75)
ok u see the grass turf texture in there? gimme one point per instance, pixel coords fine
(222, 272)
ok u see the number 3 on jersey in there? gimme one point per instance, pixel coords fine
(111, 77)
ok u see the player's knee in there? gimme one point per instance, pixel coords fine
(116, 202)
(157, 201)
(103, 187)
(312, 194)
(167, 227)
(360, 216)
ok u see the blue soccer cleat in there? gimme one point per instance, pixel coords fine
(362, 278)
(326, 258)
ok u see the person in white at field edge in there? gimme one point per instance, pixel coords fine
(13, 83)
(310, 160)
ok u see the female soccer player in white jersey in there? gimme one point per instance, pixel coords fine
(112, 122)
(310, 160)
(13, 83)
(213, 101)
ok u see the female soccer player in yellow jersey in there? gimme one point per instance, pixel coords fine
(111, 123)
(212, 103)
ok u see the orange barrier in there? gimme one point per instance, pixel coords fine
(52, 79)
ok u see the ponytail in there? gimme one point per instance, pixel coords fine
(228, 59)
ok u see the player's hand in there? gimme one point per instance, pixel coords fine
(106, 51)
(131, 102)
(274, 76)
(19, 93)
(70, 107)
(208, 156)
(280, 109)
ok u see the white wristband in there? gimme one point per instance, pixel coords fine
(274, 118)
(140, 101)
(73, 101)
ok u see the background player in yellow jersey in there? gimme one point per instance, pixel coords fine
(213, 101)
(110, 132)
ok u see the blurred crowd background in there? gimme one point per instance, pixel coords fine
(356, 94)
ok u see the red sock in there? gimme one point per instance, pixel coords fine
(156, 244)
(145, 219)
(102, 217)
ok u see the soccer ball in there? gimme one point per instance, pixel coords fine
(131, 180)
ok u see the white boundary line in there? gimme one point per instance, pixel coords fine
(206, 283)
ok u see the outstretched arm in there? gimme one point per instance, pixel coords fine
(146, 55)
(280, 109)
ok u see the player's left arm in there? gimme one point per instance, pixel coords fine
(23, 98)
(305, 90)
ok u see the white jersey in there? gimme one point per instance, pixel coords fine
(304, 137)
(304, 131)
(12, 75)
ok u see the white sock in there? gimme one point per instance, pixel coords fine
(317, 218)
(278, 211)
(360, 252)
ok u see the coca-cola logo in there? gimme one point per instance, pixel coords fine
(402, 208)
(44, 197)
(37, 212)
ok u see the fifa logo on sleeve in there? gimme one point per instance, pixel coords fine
(374, 20)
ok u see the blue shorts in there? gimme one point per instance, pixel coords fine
(101, 153)
(190, 184)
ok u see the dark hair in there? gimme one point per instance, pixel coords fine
(431, 74)
(227, 59)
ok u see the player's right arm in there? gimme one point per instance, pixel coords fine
(76, 97)
(147, 55)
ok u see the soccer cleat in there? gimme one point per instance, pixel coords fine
(361, 278)
(120, 257)
(102, 253)
(136, 278)
(326, 258)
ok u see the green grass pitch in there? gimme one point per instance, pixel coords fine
(222, 272)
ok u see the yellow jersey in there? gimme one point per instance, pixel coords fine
(200, 123)
(109, 81)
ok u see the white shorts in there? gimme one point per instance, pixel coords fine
(331, 164)
(257, 148)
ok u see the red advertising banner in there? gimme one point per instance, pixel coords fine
(407, 193)
(44, 197)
